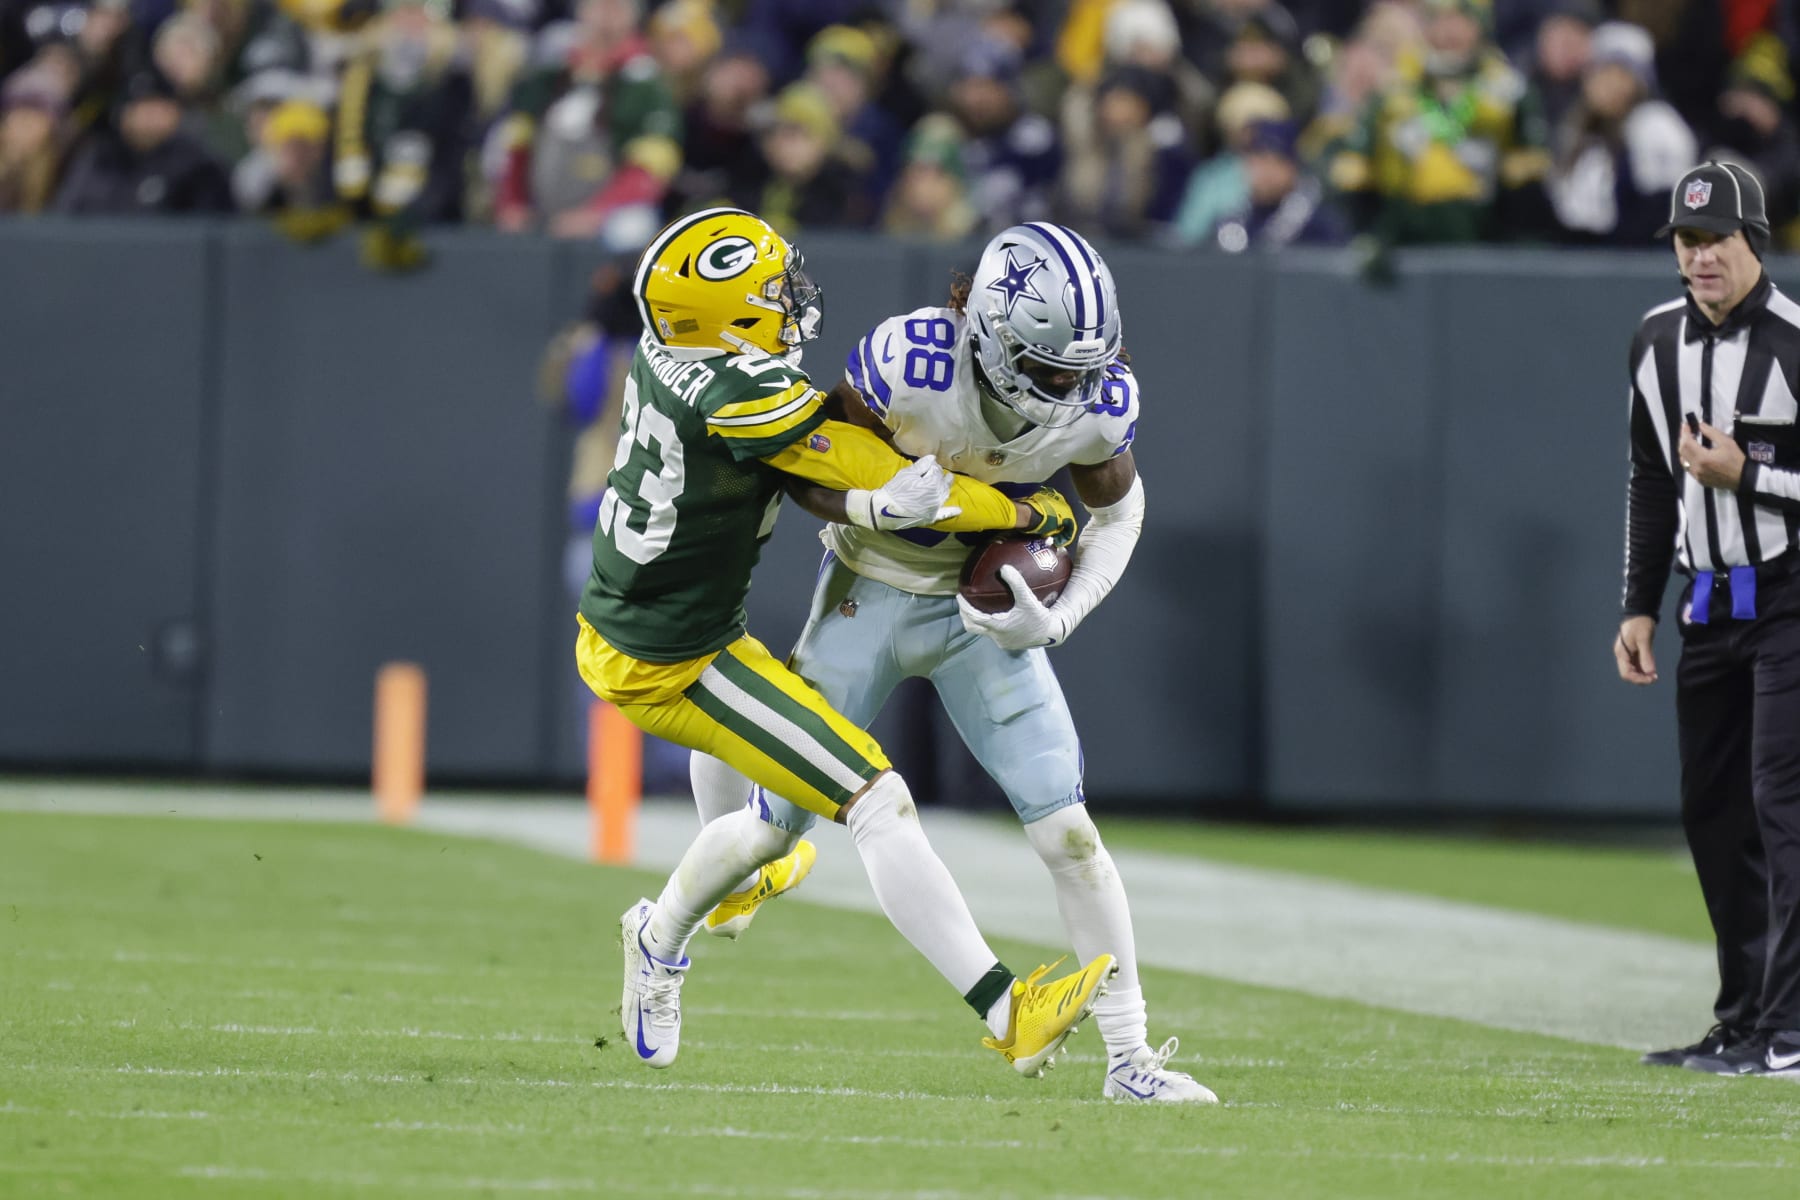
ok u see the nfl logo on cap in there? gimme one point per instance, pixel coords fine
(1699, 191)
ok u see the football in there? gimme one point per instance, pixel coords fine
(1044, 566)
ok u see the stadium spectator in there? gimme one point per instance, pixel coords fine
(187, 50)
(1142, 34)
(1285, 205)
(1011, 155)
(722, 162)
(594, 138)
(33, 105)
(842, 62)
(298, 194)
(931, 197)
(1220, 185)
(1559, 55)
(496, 42)
(1441, 148)
(684, 36)
(1619, 149)
(1359, 70)
(1126, 157)
(1208, 29)
(401, 136)
(1266, 49)
(1754, 125)
(145, 163)
(811, 184)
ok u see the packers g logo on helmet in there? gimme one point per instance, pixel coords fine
(726, 258)
(723, 280)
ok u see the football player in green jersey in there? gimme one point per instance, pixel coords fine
(717, 413)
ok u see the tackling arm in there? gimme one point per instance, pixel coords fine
(836, 483)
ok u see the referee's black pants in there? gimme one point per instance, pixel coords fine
(1737, 700)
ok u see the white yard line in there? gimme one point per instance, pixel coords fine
(1417, 954)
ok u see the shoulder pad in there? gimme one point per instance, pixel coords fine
(1111, 419)
(873, 366)
(740, 377)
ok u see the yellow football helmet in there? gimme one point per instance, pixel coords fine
(722, 279)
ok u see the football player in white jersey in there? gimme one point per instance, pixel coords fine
(1020, 375)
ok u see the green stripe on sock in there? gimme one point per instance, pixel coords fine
(995, 984)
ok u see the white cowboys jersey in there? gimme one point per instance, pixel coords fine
(914, 372)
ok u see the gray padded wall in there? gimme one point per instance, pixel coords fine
(384, 486)
(1380, 566)
(103, 400)
(1350, 498)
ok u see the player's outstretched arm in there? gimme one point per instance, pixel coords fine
(841, 459)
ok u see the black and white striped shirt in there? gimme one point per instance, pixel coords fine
(1741, 377)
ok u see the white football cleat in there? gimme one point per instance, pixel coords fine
(1143, 1077)
(650, 1014)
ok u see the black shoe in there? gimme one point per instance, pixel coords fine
(1717, 1039)
(1783, 1057)
(1748, 1057)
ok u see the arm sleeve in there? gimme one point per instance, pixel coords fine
(1651, 515)
(1101, 555)
(845, 457)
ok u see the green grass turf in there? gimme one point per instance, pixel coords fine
(196, 1008)
(1650, 890)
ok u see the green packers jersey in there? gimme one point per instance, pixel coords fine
(689, 504)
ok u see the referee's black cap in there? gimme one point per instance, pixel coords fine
(1720, 198)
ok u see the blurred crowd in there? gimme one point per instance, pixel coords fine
(1229, 124)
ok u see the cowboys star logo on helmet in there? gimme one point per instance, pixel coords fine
(723, 281)
(1016, 283)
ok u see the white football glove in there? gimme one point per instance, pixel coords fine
(914, 496)
(1028, 624)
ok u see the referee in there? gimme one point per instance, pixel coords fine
(1715, 488)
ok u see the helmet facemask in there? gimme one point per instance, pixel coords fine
(798, 300)
(1046, 388)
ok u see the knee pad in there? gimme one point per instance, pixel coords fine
(717, 780)
(767, 842)
(887, 802)
(1067, 837)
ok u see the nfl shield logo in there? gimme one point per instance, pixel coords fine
(1761, 452)
(1699, 191)
(1043, 554)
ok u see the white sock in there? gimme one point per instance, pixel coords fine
(710, 870)
(1091, 898)
(999, 1014)
(914, 887)
(719, 790)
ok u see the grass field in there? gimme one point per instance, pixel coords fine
(194, 1008)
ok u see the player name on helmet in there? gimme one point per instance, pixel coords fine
(685, 377)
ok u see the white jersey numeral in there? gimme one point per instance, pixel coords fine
(657, 491)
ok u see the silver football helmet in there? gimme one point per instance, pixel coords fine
(1045, 318)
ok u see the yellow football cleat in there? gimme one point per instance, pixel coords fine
(1045, 1014)
(735, 912)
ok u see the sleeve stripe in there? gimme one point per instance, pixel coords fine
(805, 397)
(761, 404)
(882, 391)
(797, 415)
(853, 371)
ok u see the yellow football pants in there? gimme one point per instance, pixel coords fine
(743, 706)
